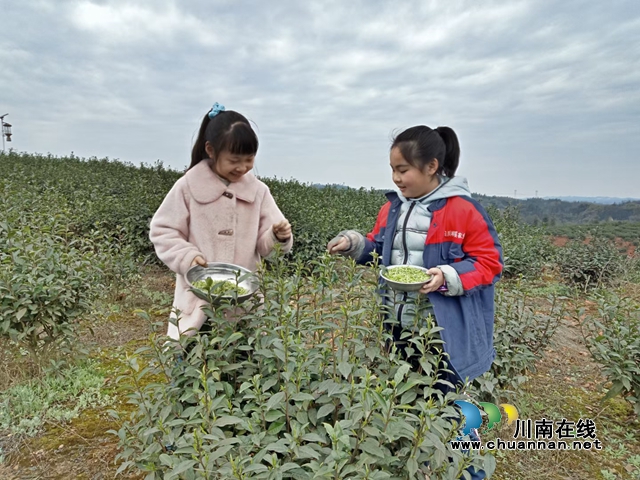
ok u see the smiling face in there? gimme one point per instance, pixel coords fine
(410, 180)
(230, 166)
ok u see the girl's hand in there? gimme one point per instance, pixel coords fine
(282, 230)
(199, 261)
(437, 280)
(338, 244)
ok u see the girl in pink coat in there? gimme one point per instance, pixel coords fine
(217, 212)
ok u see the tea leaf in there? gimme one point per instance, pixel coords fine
(275, 400)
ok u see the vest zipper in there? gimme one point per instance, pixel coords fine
(404, 234)
(406, 258)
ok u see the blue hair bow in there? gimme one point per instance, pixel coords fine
(216, 109)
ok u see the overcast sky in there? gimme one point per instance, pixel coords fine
(544, 95)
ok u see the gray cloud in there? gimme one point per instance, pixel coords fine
(544, 95)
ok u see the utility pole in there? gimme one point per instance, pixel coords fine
(2, 128)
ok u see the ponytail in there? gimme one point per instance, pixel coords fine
(420, 145)
(451, 160)
(198, 152)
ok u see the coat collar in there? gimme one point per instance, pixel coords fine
(206, 187)
(394, 198)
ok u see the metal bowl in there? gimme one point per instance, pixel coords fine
(218, 271)
(404, 287)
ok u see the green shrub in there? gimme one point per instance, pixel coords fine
(626, 230)
(49, 275)
(113, 197)
(301, 387)
(46, 284)
(592, 263)
(527, 249)
(318, 214)
(633, 269)
(119, 200)
(613, 338)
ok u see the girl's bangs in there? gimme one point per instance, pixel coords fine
(242, 140)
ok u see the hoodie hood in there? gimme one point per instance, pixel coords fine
(415, 218)
(449, 187)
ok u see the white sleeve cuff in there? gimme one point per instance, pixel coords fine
(357, 243)
(454, 284)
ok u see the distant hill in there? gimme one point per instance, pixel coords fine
(558, 210)
(600, 200)
(561, 212)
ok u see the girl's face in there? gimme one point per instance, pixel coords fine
(412, 181)
(231, 166)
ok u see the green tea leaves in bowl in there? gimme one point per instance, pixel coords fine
(407, 274)
(225, 288)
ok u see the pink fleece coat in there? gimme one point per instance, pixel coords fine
(202, 216)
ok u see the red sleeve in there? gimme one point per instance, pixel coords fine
(381, 222)
(482, 263)
(374, 240)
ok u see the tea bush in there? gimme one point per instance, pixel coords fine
(43, 292)
(592, 263)
(301, 386)
(613, 338)
(632, 273)
(318, 214)
(120, 199)
(49, 275)
(626, 230)
(45, 280)
(527, 249)
(115, 198)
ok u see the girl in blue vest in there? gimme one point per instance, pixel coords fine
(432, 222)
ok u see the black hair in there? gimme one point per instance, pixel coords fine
(228, 130)
(420, 145)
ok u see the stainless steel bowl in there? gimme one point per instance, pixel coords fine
(404, 287)
(218, 271)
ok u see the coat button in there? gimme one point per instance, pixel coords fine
(225, 232)
(228, 194)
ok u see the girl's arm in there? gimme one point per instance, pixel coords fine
(360, 247)
(482, 263)
(348, 243)
(375, 239)
(270, 215)
(169, 232)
